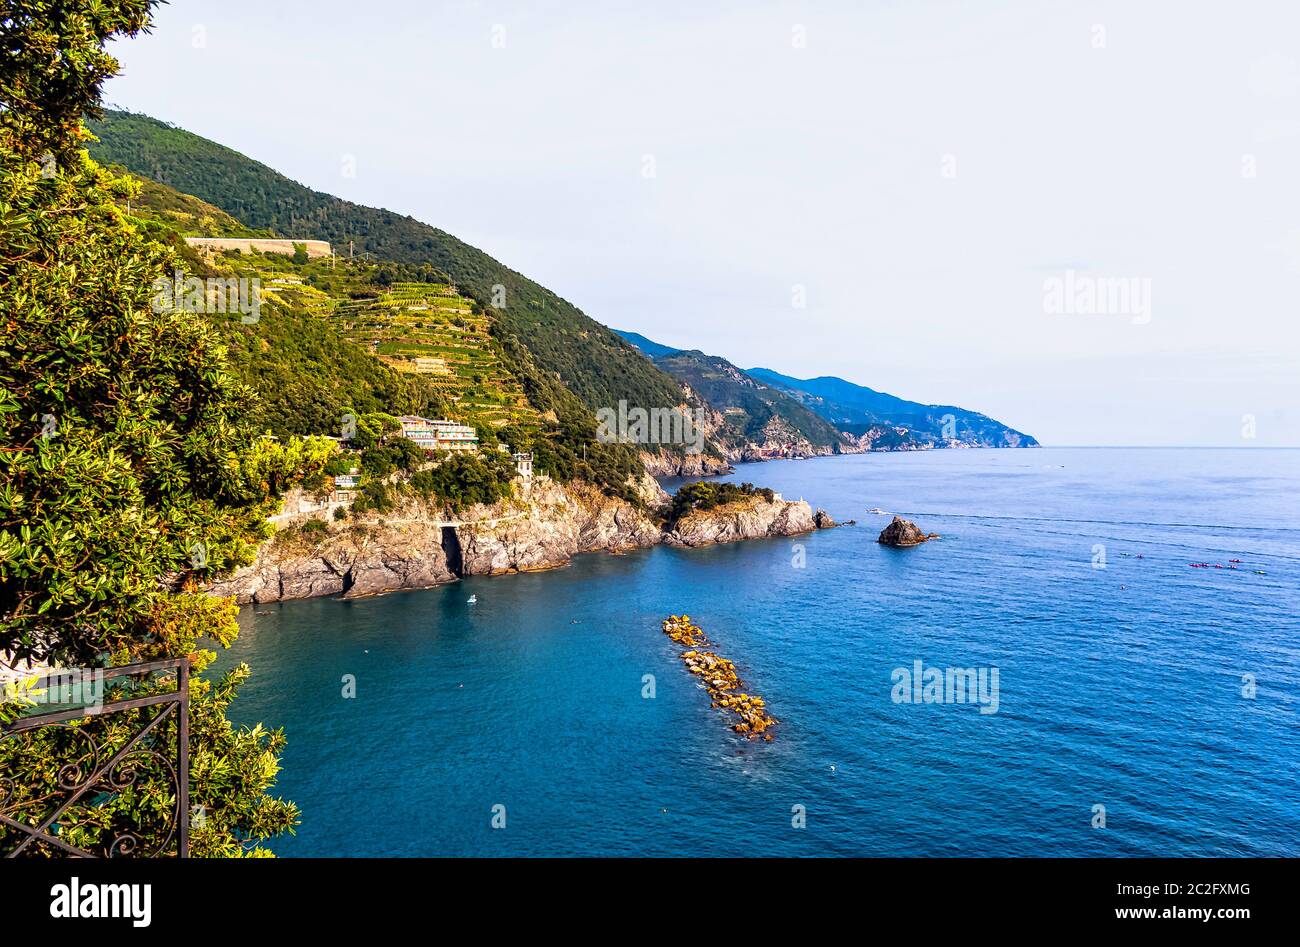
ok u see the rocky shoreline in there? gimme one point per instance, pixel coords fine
(665, 464)
(542, 527)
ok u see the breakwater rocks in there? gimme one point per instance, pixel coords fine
(718, 675)
(901, 532)
(544, 525)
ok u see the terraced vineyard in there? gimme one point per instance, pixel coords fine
(338, 335)
(429, 329)
(424, 331)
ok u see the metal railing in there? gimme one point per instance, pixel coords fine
(98, 772)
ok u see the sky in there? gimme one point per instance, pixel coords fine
(1081, 218)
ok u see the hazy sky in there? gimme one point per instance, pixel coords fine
(919, 175)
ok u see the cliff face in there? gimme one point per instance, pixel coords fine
(664, 464)
(406, 551)
(754, 519)
(546, 525)
(543, 526)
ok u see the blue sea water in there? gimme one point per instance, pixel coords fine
(1123, 686)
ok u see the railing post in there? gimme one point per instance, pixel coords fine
(183, 756)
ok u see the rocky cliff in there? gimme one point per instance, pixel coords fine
(901, 532)
(543, 526)
(748, 519)
(665, 464)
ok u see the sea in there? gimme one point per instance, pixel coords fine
(1132, 614)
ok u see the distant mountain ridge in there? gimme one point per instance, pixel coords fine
(648, 346)
(848, 416)
(857, 409)
(753, 420)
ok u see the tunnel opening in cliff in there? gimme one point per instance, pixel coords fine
(451, 550)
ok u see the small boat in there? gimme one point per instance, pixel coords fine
(1234, 560)
(1260, 572)
(473, 600)
(878, 510)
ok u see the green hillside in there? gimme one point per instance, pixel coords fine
(306, 373)
(185, 214)
(593, 362)
(334, 336)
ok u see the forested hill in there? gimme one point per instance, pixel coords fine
(856, 409)
(755, 416)
(824, 411)
(337, 337)
(593, 362)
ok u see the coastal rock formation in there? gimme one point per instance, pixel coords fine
(718, 675)
(544, 525)
(823, 520)
(665, 464)
(753, 518)
(387, 570)
(901, 532)
(402, 552)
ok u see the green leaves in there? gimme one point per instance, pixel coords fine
(53, 65)
(129, 466)
(124, 438)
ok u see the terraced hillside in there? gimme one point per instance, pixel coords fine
(335, 336)
(588, 358)
(306, 373)
(436, 342)
(432, 331)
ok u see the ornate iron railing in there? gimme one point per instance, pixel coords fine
(99, 772)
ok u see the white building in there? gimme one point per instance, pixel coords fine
(524, 465)
(439, 434)
(431, 365)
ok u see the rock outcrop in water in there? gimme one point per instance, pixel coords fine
(901, 532)
(718, 675)
(823, 520)
(751, 518)
(543, 526)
